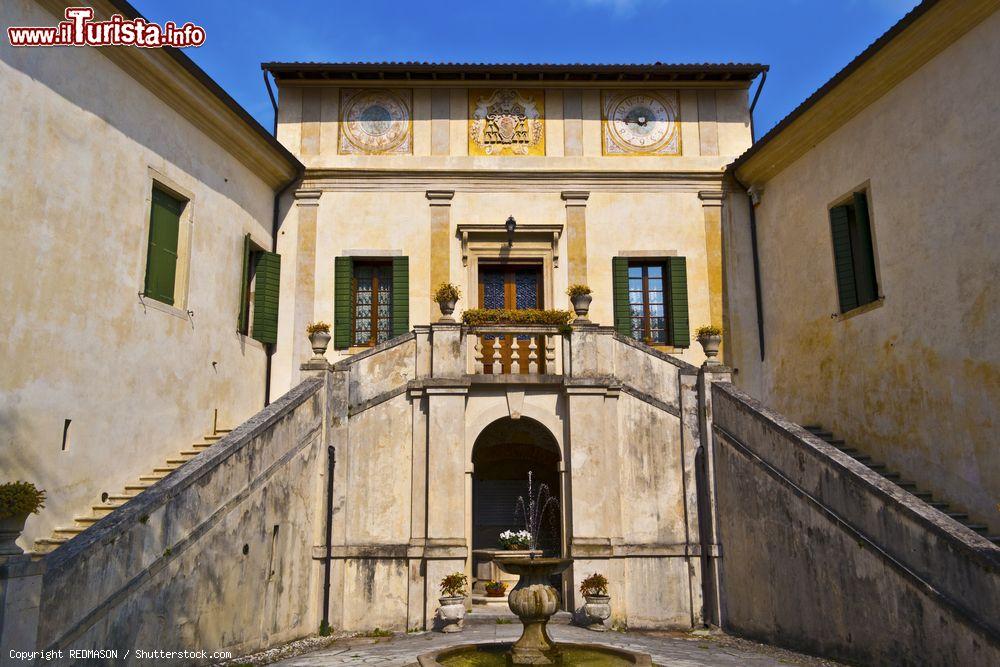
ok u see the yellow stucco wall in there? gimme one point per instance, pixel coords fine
(380, 203)
(916, 380)
(139, 383)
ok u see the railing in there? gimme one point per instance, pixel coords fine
(517, 349)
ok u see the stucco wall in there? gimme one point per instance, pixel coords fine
(138, 383)
(823, 555)
(218, 556)
(915, 381)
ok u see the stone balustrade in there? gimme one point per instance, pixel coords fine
(516, 349)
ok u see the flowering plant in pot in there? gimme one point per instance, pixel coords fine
(495, 589)
(580, 296)
(17, 501)
(446, 296)
(451, 613)
(598, 608)
(515, 540)
(710, 337)
(319, 337)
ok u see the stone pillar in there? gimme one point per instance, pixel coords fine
(445, 547)
(20, 602)
(690, 461)
(711, 546)
(576, 235)
(711, 202)
(303, 275)
(440, 201)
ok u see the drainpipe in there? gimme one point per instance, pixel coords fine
(753, 105)
(756, 265)
(331, 464)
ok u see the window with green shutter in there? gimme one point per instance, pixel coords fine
(650, 300)
(853, 253)
(371, 300)
(266, 289)
(161, 253)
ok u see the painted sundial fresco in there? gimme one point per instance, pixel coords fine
(375, 122)
(641, 123)
(506, 121)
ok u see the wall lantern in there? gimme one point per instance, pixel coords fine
(510, 225)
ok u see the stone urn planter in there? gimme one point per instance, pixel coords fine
(581, 304)
(319, 341)
(597, 610)
(10, 529)
(451, 613)
(711, 344)
(447, 308)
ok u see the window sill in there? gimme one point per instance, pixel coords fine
(149, 303)
(877, 303)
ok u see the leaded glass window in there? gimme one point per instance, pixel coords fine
(372, 303)
(647, 302)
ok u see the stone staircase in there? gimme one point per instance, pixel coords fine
(906, 485)
(112, 502)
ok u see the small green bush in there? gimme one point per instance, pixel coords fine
(454, 585)
(18, 498)
(595, 584)
(447, 292)
(577, 289)
(484, 316)
(315, 327)
(707, 330)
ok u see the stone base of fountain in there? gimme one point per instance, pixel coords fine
(569, 655)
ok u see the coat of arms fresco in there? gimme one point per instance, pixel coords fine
(506, 121)
(375, 122)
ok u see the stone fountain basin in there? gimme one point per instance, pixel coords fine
(494, 655)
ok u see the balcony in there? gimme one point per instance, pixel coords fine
(515, 349)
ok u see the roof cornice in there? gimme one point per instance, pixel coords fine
(919, 36)
(186, 88)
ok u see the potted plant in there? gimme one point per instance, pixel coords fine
(515, 540)
(319, 337)
(451, 613)
(710, 337)
(580, 296)
(598, 607)
(17, 501)
(446, 296)
(495, 589)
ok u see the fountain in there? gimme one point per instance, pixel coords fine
(534, 600)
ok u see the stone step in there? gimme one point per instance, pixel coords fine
(47, 545)
(140, 486)
(123, 497)
(212, 438)
(961, 517)
(104, 510)
(940, 506)
(87, 521)
(155, 477)
(168, 467)
(202, 445)
(980, 528)
(191, 453)
(224, 430)
(178, 461)
(68, 532)
(995, 539)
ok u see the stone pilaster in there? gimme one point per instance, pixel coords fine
(20, 603)
(576, 234)
(304, 274)
(711, 545)
(711, 203)
(440, 203)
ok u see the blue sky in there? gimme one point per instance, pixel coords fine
(804, 41)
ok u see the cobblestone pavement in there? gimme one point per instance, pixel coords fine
(670, 649)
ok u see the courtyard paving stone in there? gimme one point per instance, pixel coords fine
(670, 649)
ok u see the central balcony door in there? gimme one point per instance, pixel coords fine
(510, 287)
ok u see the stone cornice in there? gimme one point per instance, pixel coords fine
(213, 112)
(919, 38)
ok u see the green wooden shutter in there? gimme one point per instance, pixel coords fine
(265, 298)
(680, 330)
(864, 255)
(400, 295)
(161, 254)
(619, 280)
(842, 257)
(242, 320)
(343, 276)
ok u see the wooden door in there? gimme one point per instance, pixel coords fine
(510, 287)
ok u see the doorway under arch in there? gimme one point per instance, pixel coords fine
(503, 455)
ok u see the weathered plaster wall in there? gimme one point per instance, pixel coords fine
(139, 383)
(915, 381)
(879, 577)
(217, 556)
